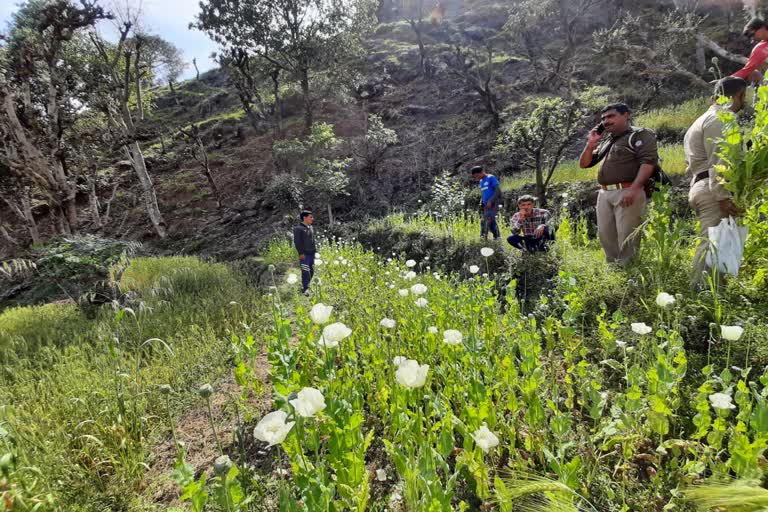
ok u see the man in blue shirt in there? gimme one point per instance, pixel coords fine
(490, 191)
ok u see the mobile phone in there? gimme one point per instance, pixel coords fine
(600, 129)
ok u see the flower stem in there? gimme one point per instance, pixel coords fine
(213, 425)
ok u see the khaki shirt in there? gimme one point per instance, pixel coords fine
(701, 150)
(621, 164)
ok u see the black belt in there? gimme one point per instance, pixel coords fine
(703, 175)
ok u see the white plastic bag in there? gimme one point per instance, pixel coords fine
(726, 248)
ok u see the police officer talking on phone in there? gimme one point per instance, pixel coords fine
(629, 158)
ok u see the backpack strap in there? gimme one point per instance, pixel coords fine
(631, 141)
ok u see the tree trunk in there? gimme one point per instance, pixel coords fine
(173, 92)
(139, 102)
(29, 218)
(541, 191)
(93, 201)
(147, 188)
(208, 174)
(701, 59)
(105, 219)
(278, 108)
(7, 236)
(330, 214)
(308, 117)
(197, 71)
(68, 203)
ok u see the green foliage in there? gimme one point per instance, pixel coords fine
(313, 156)
(447, 194)
(371, 148)
(539, 140)
(745, 171)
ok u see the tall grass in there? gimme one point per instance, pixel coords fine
(81, 412)
(462, 227)
(673, 119)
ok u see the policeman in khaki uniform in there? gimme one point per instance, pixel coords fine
(629, 159)
(707, 196)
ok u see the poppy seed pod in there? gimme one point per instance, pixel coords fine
(205, 391)
(222, 465)
(166, 389)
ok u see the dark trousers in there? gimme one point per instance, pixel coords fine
(488, 222)
(307, 270)
(531, 243)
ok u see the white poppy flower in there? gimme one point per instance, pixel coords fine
(721, 401)
(432, 330)
(474, 269)
(621, 344)
(317, 255)
(411, 375)
(292, 279)
(487, 252)
(410, 263)
(336, 332)
(421, 302)
(418, 289)
(308, 402)
(318, 262)
(387, 323)
(664, 300)
(320, 313)
(403, 293)
(410, 275)
(485, 439)
(273, 428)
(398, 360)
(641, 328)
(452, 337)
(731, 332)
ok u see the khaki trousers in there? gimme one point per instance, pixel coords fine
(616, 225)
(707, 208)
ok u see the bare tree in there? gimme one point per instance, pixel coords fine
(197, 71)
(475, 67)
(117, 75)
(195, 147)
(415, 14)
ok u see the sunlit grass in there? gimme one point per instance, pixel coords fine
(461, 227)
(673, 118)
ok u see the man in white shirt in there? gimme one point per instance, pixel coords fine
(708, 197)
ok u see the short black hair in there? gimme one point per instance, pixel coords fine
(477, 169)
(754, 24)
(621, 108)
(730, 86)
(527, 198)
(304, 214)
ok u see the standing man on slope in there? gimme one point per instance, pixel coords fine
(304, 241)
(753, 71)
(490, 192)
(708, 197)
(629, 158)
